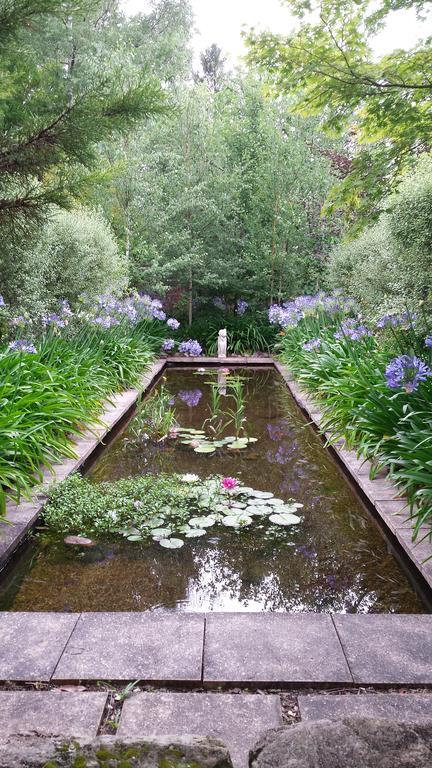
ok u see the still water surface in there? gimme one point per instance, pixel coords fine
(336, 560)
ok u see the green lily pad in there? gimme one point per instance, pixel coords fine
(202, 522)
(161, 533)
(237, 521)
(285, 518)
(134, 537)
(237, 445)
(205, 448)
(275, 502)
(195, 532)
(257, 510)
(171, 543)
(261, 494)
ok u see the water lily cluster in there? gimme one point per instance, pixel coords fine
(165, 509)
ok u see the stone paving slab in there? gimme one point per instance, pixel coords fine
(156, 647)
(51, 713)
(399, 707)
(237, 719)
(31, 644)
(273, 648)
(387, 648)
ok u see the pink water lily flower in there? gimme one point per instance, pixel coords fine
(229, 483)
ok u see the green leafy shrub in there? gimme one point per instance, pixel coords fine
(246, 334)
(74, 253)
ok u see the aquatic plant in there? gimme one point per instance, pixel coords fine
(166, 509)
(155, 418)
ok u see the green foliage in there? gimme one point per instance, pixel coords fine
(330, 69)
(47, 397)
(389, 266)
(155, 416)
(61, 94)
(75, 253)
(246, 334)
(391, 427)
(161, 508)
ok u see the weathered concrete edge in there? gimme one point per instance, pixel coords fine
(381, 493)
(21, 517)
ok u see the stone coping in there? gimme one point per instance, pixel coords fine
(216, 650)
(381, 494)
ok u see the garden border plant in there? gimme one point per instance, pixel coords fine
(373, 382)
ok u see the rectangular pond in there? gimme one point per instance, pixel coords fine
(336, 559)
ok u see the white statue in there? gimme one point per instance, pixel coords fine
(222, 343)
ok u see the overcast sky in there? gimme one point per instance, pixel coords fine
(221, 22)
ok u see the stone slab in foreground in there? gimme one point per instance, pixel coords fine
(31, 644)
(350, 743)
(273, 648)
(155, 647)
(399, 707)
(31, 752)
(236, 719)
(387, 648)
(51, 713)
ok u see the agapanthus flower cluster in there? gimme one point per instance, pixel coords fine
(2, 301)
(406, 372)
(168, 345)
(190, 396)
(173, 323)
(290, 313)
(112, 311)
(53, 320)
(21, 345)
(241, 307)
(312, 345)
(428, 341)
(393, 320)
(353, 330)
(19, 321)
(219, 303)
(190, 348)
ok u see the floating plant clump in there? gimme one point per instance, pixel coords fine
(224, 501)
(201, 443)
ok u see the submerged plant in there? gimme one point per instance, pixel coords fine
(155, 417)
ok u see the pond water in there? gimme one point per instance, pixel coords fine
(335, 560)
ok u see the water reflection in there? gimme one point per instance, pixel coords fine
(335, 561)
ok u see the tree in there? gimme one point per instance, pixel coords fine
(60, 95)
(213, 68)
(329, 69)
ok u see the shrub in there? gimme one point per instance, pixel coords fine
(75, 252)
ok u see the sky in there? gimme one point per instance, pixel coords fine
(222, 21)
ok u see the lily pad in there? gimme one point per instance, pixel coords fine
(257, 510)
(202, 522)
(285, 518)
(261, 494)
(237, 445)
(171, 543)
(237, 521)
(205, 448)
(134, 537)
(195, 532)
(161, 533)
(275, 502)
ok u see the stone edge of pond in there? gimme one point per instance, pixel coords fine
(381, 493)
(21, 517)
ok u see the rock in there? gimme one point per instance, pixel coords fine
(79, 541)
(349, 743)
(34, 751)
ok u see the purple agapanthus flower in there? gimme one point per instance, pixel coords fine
(159, 314)
(2, 301)
(190, 396)
(53, 320)
(406, 372)
(241, 307)
(312, 345)
(21, 345)
(428, 341)
(168, 345)
(173, 323)
(219, 303)
(393, 320)
(191, 348)
(352, 330)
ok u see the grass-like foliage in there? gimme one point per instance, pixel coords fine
(374, 383)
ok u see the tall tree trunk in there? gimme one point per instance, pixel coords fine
(273, 251)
